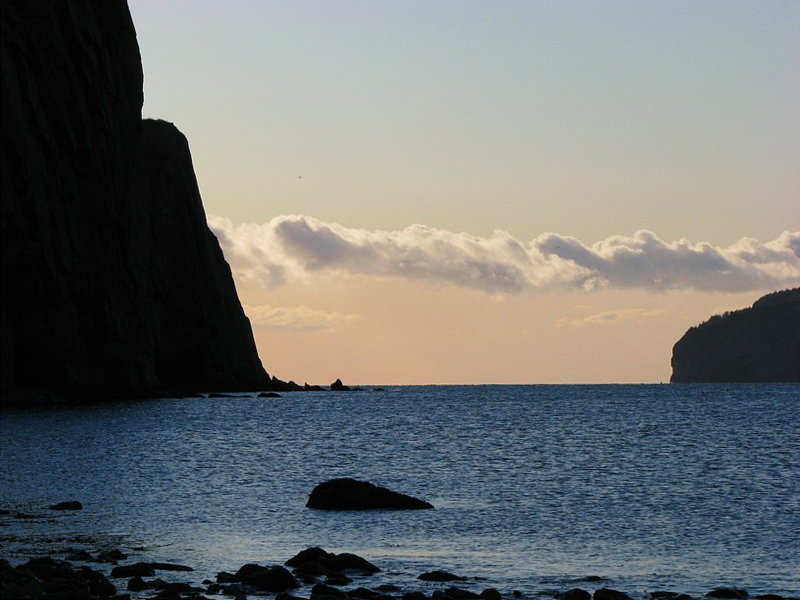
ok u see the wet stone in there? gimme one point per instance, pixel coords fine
(440, 576)
(325, 591)
(70, 505)
(609, 594)
(136, 584)
(461, 594)
(728, 592)
(141, 569)
(170, 567)
(574, 594)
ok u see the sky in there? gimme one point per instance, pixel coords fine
(486, 192)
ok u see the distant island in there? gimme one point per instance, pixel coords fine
(759, 344)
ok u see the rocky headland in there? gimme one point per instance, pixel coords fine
(112, 282)
(760, 344)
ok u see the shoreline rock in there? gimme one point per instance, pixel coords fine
(51, 577)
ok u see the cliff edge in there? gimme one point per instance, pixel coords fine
(112, 282)
(759, 344)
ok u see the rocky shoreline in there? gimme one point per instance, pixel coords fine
(312, 574)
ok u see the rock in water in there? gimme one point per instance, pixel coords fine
(69, 505)
(338, 386)
(351, 494)
(271, 579)
(440, 576)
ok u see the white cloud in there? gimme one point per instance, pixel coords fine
(295, 319)
(297, 247)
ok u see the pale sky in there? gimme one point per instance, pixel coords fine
(450, 192)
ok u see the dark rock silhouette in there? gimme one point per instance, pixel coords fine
(112, 282)
(49, 578)
(346, 561)
(270, 579)
(285, 386)
(728, 592)
(160, 566)
(315, 562)
(351, 494)
(460, 594)
(338, 386)
(139, 569)
(755, 345)
(609, 594)
(308, 555)
(137, 584)
(69, 505)
(440, 576)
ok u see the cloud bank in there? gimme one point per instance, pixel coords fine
(294, 247)
(297, 319)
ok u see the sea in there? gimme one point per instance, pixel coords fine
(536, 488)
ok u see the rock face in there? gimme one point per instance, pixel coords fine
(112, 282)
(351, 494)
(754, 345)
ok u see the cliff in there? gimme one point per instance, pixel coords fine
(753, 345)
(112, 283)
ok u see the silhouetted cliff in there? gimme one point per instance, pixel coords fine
(753, 345)
(112, 282)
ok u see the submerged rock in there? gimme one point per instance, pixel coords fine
(111, 556)
(170, 567)
(351, 494)
(461, 594)
(70, 505)
(363, 593)
(81, 556)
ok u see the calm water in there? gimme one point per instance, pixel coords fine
(654, 487)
